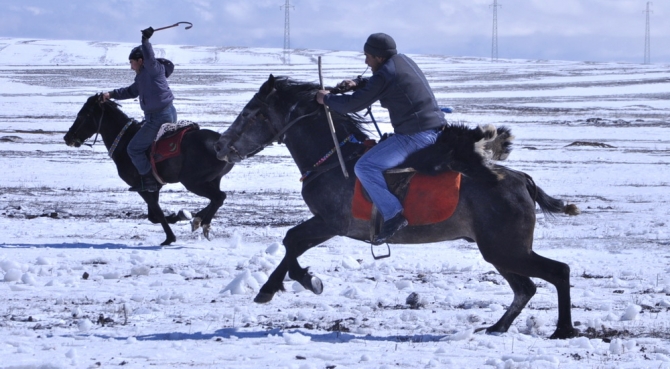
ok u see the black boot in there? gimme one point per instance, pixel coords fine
(389, 228)
(147, 184)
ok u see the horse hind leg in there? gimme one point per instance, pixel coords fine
(524, 289)
(552, 271)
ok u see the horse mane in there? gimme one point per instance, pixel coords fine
(466, 150)
(292, 91)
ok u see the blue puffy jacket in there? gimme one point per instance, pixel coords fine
(150, 84)
(402, 88)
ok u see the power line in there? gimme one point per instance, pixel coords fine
(647, 38)
(494, 36)
(287, 32)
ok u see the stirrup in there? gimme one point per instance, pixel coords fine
(375, 227)
(377, 257)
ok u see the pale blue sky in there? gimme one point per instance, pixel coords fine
(583, 30)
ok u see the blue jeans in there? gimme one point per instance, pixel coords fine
(386, 155)
(137, 148)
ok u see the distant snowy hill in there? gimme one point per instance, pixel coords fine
(15, 51)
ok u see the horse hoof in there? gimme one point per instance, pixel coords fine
(168, 241)
(312, 283)
(263, 297)
(564, 333)
(195, 224)
(496, 330)
(184, 215)
(205, 231)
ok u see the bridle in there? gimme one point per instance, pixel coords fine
(88, 115)
(278, 133)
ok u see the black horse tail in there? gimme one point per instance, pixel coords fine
(548, 204)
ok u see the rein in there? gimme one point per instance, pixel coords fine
(281, 132)
(97, 132)
(373, 120)
(291, 123)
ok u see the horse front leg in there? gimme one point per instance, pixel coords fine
(156, 215)
(216, 197)
(298, 240)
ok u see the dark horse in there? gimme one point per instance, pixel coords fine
(499, 217)
(197, 168)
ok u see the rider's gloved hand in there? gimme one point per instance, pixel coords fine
(147, 33)
(346, 85)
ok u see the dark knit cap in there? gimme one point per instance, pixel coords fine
(136, 53)
(380, 44)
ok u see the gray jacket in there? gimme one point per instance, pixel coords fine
(150, 84)
(402, 88)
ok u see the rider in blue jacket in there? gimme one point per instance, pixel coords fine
(401, 87)
(155, 100)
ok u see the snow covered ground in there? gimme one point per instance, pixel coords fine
(84, 284)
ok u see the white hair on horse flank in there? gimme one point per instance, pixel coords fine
(482, 147)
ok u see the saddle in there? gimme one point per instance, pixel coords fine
(168, 143)
(426, 199)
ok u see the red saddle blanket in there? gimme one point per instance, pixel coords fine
(429, 199)
(168, 147)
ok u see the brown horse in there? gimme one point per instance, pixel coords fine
(499, 217)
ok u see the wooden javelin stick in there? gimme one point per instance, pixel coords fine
(332, 129)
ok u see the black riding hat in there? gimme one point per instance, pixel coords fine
(380, 44)
(136, 53)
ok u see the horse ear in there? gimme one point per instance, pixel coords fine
(268, 86)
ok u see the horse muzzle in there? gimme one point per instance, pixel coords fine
(227, 153)
(72, 141)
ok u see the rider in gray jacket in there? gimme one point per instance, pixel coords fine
(401, 87)
(156, 98)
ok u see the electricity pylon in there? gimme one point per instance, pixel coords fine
(287, 33)
(494, 36)
(647, 38)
